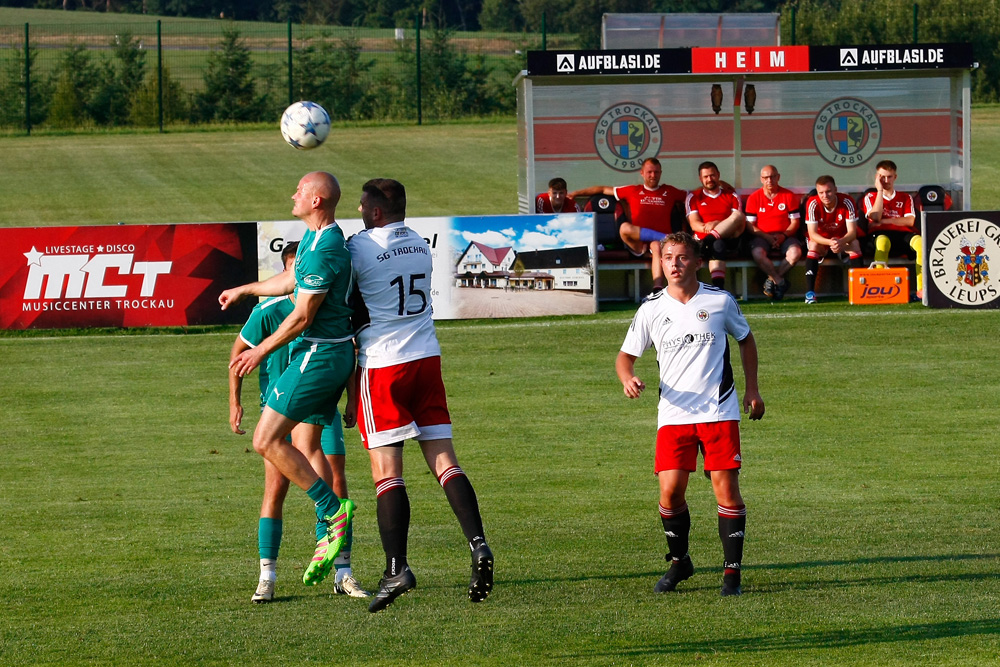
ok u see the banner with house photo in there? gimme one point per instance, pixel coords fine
(486, 266)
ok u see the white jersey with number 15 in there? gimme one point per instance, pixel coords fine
(392, 269)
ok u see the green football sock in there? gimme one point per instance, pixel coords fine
(327, 502)
(268, 537)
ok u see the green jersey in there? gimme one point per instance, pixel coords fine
(323, 266)
(265, 318)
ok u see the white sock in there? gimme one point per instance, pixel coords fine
(343, 572)
(268, 568)
(343, 559)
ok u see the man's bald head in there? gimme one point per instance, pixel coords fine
(325, 186)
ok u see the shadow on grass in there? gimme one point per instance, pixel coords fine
(840, 582)
(822, 639)
(874, 561)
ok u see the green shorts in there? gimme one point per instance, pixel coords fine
(332, 439)
(311, 386)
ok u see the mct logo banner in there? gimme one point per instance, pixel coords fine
(123, 275)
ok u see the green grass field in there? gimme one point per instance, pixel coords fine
(216, 175)
(249, 174)
(128, 510)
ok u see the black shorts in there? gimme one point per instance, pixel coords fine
(724, 249)
(759, 242)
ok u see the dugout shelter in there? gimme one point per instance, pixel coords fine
(592, 117)
(664, 31)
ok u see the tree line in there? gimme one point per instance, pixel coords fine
(119, 86)
(110, 90)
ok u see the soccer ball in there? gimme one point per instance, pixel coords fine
(305, 125)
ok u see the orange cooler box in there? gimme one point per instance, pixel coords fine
(874, 286)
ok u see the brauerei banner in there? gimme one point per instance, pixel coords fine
(958, 246)
(123, 275)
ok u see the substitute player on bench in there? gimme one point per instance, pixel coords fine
(892, 222)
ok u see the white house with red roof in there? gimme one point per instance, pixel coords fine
(483, 266)
(567, 268)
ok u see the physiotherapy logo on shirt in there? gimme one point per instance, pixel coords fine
(847, 132)
(626, 134)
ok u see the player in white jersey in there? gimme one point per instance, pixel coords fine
(688, 324)
(400, 390)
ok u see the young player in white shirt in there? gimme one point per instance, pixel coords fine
(699, 409)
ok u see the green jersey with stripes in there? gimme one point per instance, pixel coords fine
(264, 320)
(323, 266)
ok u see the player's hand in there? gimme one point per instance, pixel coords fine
(633, 387)
(231, 297)
(878, 184)
(753, 405)
(351, 412)
(246, 361)
(236, 418)
(835, 246)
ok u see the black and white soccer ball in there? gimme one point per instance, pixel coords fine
(305, 125)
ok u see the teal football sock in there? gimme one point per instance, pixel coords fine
(268, 537)
(327, 502)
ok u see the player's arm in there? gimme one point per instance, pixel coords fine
(852, 232)
(236, 388)
(698, 225)
(351, 409)
(277, 285)
(812, 230)
(753, 404)
(625, 367)
(793, 225)
(874, 211)
(306, 305)
(591, 191)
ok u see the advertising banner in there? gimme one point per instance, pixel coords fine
(486, 266)
(747, 59)
(123, 275)
(958, 246)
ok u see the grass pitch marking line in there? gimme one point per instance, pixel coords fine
(573, 323)
(749, 316)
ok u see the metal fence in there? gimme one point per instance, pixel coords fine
(154, 74)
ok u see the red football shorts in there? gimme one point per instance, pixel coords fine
(677, 446)
(402, 401)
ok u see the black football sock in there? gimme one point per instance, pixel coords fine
(462, 498)
(393, 511)
(677, 528)
(812, 268)
(732, 529)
